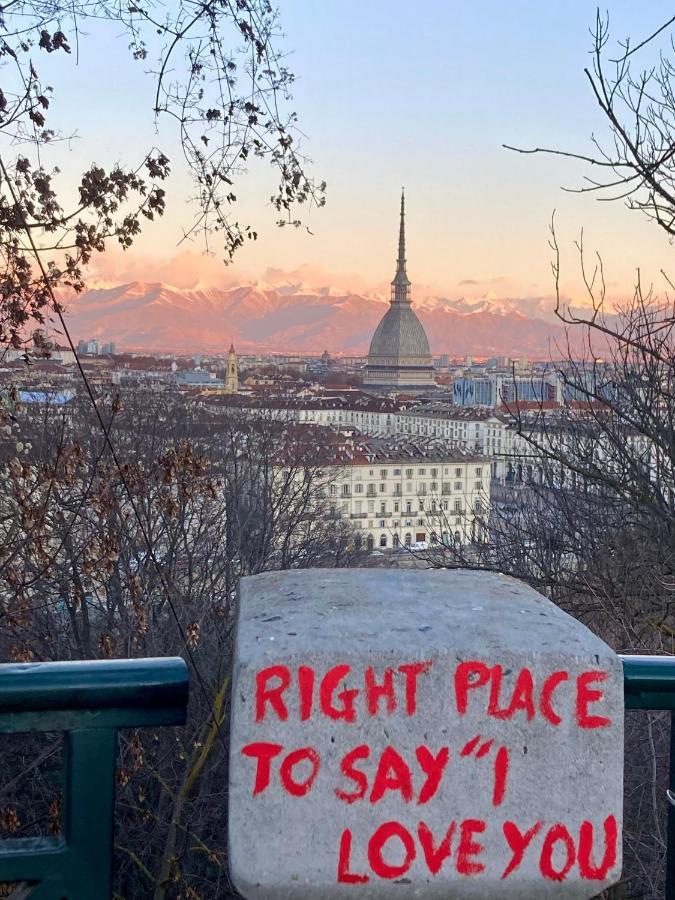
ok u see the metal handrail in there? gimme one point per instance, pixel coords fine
(649, 683)
(88, 701)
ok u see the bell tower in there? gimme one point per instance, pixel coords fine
(232, 377)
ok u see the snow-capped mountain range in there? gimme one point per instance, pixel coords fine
(294, 317)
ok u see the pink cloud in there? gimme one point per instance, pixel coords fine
(187, 269)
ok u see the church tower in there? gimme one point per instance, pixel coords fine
(232, 377)
(399, 358)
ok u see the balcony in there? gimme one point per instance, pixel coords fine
(358, 515)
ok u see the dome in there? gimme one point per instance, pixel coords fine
(399, 356)
(400, 334)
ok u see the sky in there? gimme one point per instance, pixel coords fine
(392, 93)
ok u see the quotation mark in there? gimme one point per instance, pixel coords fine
(479, 748)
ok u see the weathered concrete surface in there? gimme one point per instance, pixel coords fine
(538, 753)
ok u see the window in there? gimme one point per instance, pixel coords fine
(371, 471)
(371, 506)
(408, 473)
(421, 505)
(370, 542)
(358, 488)
(479, 471)
(396, 506)
(445, 504)
(397, 471)
(421, 471)
(383, 540)
(458, 473)
(396, 540)
(434, 485)
(382, 508)
(422, 489)
(383, 488)
(382, 523)
(434, 473)
(408, 539)
(420, 522)
(333, 490)
(383, 473)
(458, 506)
(479, 485)
(358, 506)
(345, 490)
(408, 506)
(458, 485)
(371, 490)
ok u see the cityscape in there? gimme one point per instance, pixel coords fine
(337, 522)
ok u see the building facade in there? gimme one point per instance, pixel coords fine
(399, 492)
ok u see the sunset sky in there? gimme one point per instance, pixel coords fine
(392, 93)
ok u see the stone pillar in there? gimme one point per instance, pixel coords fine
(420, 734)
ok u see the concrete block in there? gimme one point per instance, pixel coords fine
(420, 734)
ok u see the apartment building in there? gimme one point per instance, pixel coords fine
(400, 492)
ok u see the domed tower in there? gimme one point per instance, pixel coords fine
(399, 356)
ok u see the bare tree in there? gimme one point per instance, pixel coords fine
(635, 162)
(82, 575)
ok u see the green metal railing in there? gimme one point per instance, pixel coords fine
(649, 683)
(89, 702)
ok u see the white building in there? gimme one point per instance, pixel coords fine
(399, 492)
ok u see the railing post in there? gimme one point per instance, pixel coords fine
(89, 798)
(670, 849)
(89, 701)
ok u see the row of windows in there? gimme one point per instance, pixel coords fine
(459, 471)
(434, 507)
(421, 488)
(407, 539)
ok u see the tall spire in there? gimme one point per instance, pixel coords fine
(401, 236)
(400, 286)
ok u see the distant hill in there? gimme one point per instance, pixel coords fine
(262, 317)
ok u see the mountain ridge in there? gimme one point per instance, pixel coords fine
(260, 317)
